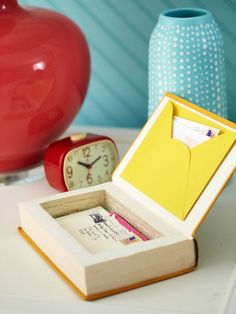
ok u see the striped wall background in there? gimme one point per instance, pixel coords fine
(118, 33)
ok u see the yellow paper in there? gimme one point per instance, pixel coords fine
(168, 171)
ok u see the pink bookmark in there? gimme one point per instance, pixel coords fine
(124, 223)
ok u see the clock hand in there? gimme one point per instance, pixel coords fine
(84, 164)
(95, 161)
(89, 166)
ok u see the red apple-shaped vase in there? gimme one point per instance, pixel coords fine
(44, 76)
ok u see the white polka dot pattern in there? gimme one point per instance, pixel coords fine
(188, 61)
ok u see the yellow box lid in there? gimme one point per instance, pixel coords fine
(178, 182)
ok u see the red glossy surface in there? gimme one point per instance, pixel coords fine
(55, 154)
(44, 75)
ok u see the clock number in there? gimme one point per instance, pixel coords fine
(69, 172)
(99, 179)
(71, 184)
(106, 160)
(70, 158)
(86, 152)
(89, 178)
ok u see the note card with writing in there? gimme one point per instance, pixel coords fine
(98, 230)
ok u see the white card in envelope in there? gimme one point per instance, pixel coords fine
(192, 133)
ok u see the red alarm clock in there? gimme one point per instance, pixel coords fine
(79, 161)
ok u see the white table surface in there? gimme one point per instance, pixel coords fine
(29, 285)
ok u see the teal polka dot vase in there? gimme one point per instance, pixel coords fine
(186, 58)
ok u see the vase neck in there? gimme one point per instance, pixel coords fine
(185, 16)
(7, 5)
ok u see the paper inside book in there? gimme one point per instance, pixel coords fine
(192, 133)
(99, 230)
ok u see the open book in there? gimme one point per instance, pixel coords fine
(140, 227)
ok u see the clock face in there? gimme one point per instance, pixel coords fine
(90, 164)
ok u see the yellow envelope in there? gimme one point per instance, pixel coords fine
(168, 171)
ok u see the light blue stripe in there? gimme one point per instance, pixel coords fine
(119, 14)
(123, 74)
(231, 5)
(102, 110)
(115, 94)
(113, 36)
(144, 9)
